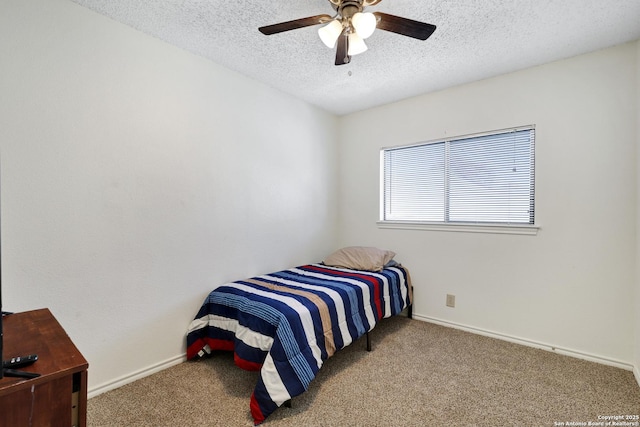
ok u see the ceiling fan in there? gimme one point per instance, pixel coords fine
(351, 25)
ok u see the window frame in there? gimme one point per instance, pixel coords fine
(452, 226)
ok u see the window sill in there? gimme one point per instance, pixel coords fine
(529, 230)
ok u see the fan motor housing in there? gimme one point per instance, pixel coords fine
(342, 5)
(364, 3)
(349, 8)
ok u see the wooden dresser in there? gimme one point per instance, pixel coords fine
(58, 397)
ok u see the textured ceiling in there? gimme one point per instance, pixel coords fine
(475, 39)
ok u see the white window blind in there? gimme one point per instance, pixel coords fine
(479, 179)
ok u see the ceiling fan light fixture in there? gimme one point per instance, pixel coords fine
(329, 33)
(350, 26)
(364, 23)
(356, 44)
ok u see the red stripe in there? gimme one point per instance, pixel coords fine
(376, 284)
(217, 344)
(256, 413)
(224, 345)
(194, 348)
(214, 344)
(245, 364)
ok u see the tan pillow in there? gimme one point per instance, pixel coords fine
(360, 258)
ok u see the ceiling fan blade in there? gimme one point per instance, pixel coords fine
(406, 27)
(295, 24)
(342, 51)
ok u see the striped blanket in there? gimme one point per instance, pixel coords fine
(286, 324)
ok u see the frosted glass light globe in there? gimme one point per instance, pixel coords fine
(356, 45)
(364, 23)
(329, 33)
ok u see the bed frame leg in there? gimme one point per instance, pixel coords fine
(287, 404)
(368, 342)
(410, 312)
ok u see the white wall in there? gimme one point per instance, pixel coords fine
(637, 300)
(572, 285)
(136, 176)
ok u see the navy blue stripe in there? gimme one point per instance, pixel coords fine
(352, 300)
(328, 301)
(284, 332)
(293, 315)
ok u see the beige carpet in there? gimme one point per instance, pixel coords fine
(418, 374)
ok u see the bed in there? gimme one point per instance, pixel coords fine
(287, 323)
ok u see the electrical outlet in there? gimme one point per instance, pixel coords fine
(451, 300)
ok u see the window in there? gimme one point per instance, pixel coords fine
(485, 179)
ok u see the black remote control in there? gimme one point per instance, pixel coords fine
(19, 362)
(19, 374)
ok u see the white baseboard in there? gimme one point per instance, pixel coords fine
(530, 343)
(126, 379)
